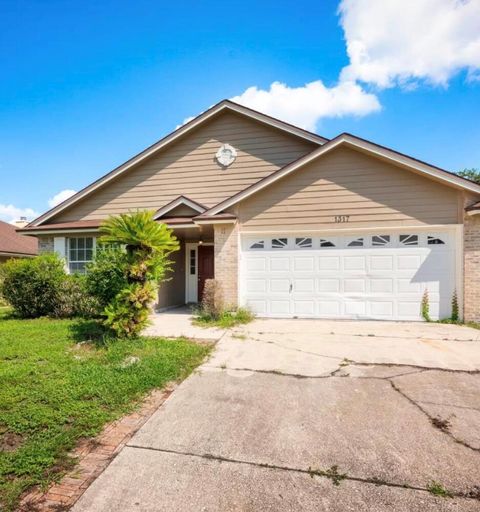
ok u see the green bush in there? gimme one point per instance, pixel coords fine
(73, 299)
(32, 286)
(106, 276)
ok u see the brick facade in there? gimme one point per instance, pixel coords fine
(471, 241)
(45, 244)
(226, 261)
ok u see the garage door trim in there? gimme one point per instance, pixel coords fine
(454, 231)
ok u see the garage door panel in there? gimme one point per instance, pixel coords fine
(354, 285)
(382, 263)
(304, 307)
(279, 264)
(355, 308)
(328, 263)
(381, 309)
(280, 285)
(256, 285)
(258, 264)
(303, 285)
(406, 285)
(329, 308)
(384, 278)
(329, 285)
(259, 307)
(354, 263)
(381, 285)
(303, 264)
(280, 307)
(409, 261)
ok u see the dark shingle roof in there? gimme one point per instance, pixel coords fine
(12, 242)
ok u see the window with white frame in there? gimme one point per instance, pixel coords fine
(80, 252)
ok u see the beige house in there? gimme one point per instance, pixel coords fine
(290, 223)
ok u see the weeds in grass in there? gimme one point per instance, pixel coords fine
(224, 319)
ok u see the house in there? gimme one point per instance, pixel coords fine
(13, 245)
(290, 223)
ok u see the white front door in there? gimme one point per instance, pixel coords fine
(379, 275)
(191, 265)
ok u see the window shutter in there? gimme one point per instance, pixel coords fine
(59, 246)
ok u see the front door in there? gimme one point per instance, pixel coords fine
(205, 267)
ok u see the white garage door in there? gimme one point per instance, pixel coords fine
(379, 275)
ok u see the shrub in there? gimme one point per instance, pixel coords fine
(32, 286)
(73, 299)
(105, 276)
(148, 245)
(212, 298)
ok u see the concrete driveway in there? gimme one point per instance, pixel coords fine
(291, 415)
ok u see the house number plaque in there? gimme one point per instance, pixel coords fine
(342, 218)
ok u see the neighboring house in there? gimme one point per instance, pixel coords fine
(290, 223)
(13, 245)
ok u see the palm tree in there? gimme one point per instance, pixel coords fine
(148, 245)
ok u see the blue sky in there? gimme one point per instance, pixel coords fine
(86, 85)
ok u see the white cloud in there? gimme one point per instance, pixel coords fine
(10, 213)
(393, 42)
(60, 197)
(304, 106)
(185, 121)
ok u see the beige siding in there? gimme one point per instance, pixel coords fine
(188, 167)
(347, 182)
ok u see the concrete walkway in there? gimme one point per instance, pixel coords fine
(308, 416)
(178, 322)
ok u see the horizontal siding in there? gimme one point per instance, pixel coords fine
(188, 168)
(347, 182)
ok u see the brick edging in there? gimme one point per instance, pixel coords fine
(93, 456)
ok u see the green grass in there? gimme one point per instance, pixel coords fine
(225, 320)
(57, 388)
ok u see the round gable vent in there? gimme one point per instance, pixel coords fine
(226, 155)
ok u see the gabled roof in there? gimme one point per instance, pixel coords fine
(225, 105)
(13, 243)
(197, 207)
(348, 140)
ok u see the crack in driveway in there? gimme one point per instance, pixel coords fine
(358, 363)
(417, 338)
(395, 387)
(320, 473)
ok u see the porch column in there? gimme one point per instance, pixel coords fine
(226, 261)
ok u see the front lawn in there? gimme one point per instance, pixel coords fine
(56, 387)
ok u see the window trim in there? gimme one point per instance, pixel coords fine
(69, 260)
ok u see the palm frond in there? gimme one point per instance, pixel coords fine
(138, 230)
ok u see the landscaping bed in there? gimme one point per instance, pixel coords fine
(59, 385)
